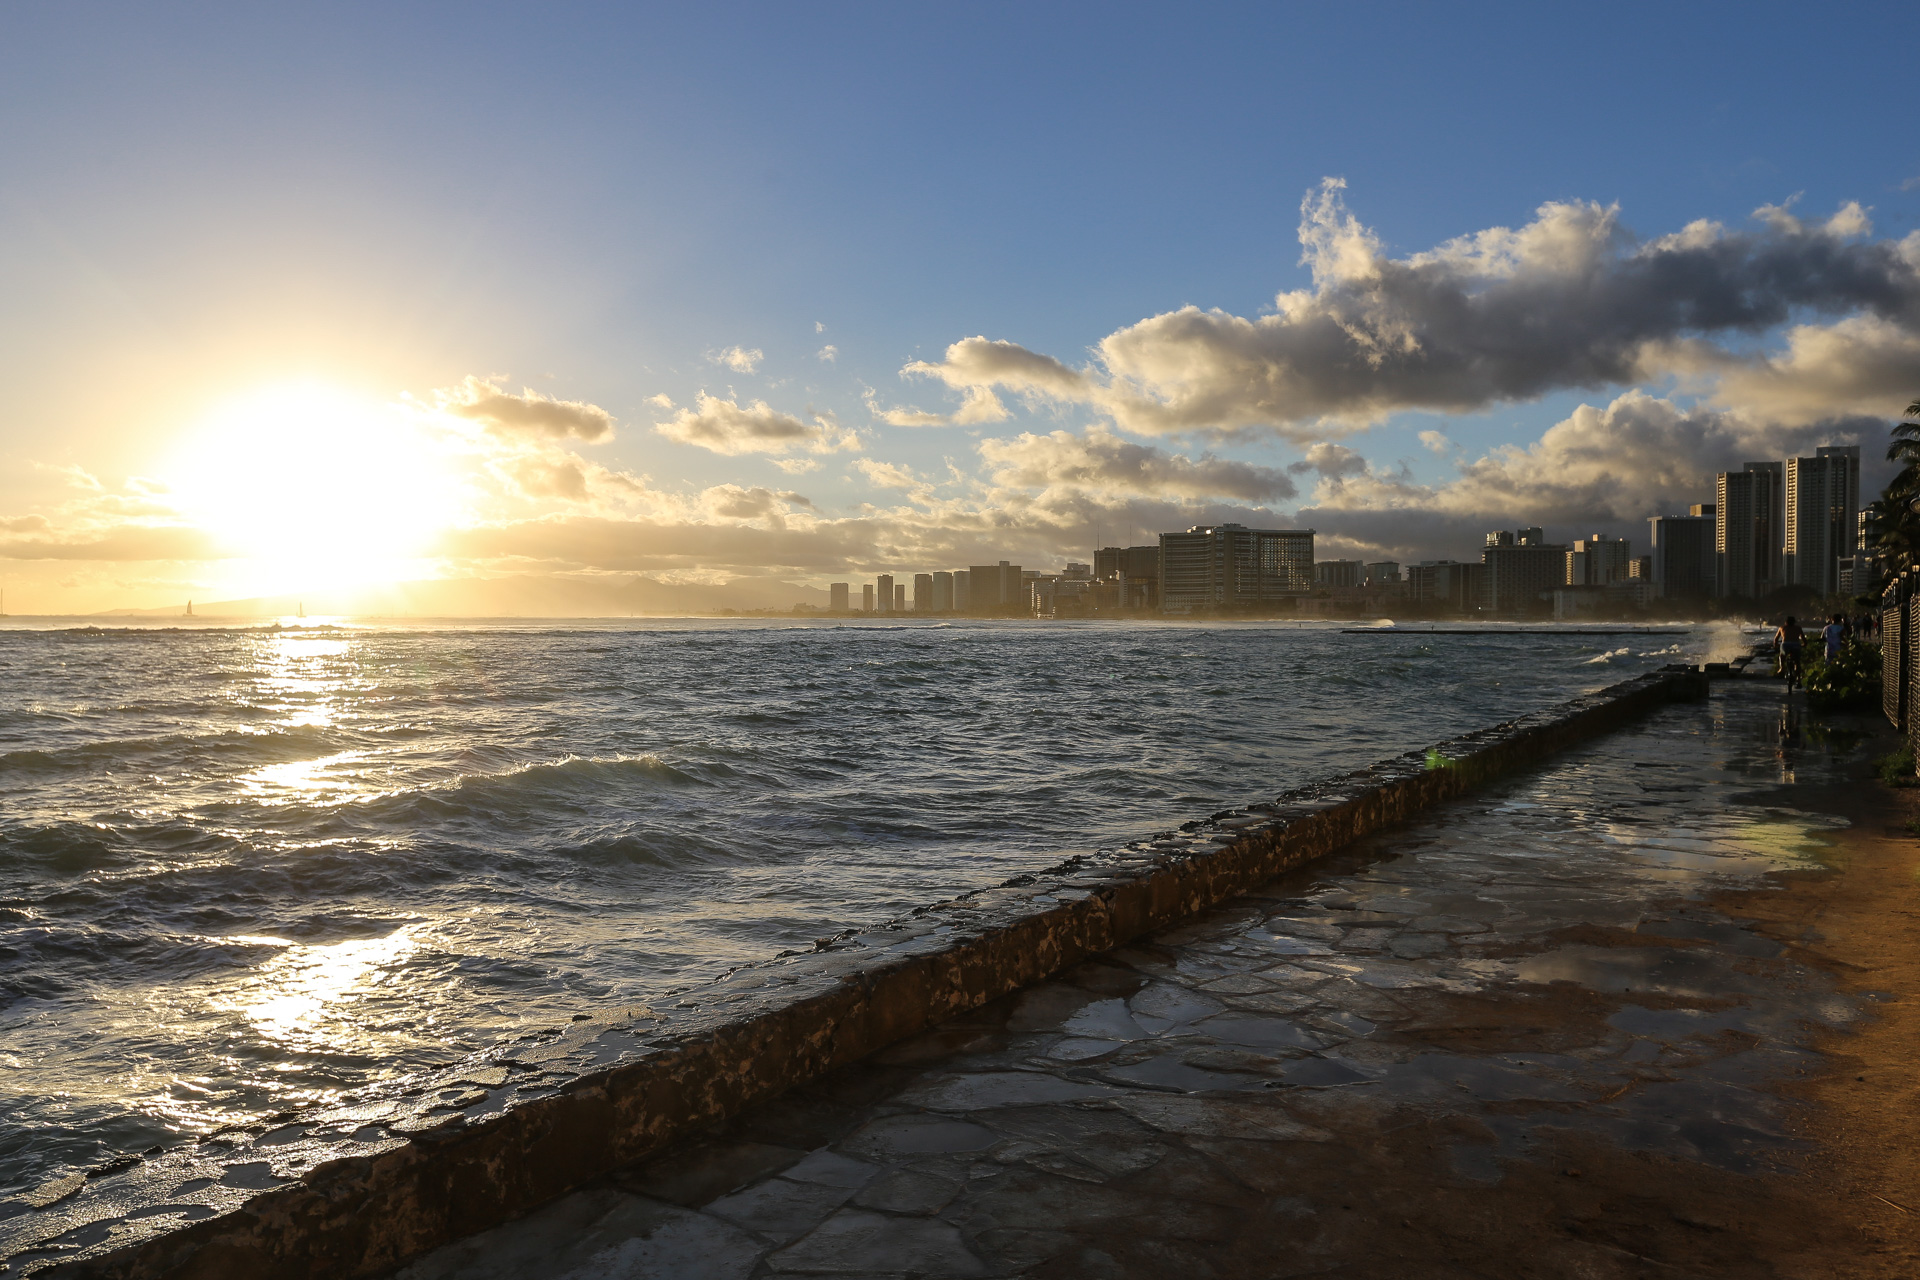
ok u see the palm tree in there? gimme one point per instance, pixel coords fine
(1893, 524)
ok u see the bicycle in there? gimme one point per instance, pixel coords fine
(1790, 667)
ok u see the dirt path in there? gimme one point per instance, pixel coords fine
(1859, 921)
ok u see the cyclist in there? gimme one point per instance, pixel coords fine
(1788, 639)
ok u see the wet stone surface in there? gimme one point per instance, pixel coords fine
(1531, 971)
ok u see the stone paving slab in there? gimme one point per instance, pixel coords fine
(1341, 1073)
(354, 1190)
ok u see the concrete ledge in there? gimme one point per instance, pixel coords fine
(358, 1190)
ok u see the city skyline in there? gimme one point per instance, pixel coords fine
(297, 331)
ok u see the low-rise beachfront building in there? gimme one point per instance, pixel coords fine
(1339, 573)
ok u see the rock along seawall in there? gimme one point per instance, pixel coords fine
(357, 1190)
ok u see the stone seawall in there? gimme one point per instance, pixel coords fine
(357, 1190)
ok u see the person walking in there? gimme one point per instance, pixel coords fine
(1834, 635)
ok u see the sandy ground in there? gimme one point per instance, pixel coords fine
(1651, 1011)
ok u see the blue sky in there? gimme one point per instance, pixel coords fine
(594, 203)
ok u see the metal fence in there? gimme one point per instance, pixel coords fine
(1899, 610)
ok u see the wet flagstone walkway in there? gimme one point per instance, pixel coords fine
(1479, 1028)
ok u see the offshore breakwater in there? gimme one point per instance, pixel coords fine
(355, 1190)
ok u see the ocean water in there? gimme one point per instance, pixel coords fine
(244, 870)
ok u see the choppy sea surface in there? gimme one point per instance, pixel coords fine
(244, 869)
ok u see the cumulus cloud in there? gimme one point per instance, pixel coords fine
(1101, 462)
(908, 417)
(25, 524)
(1436, 441)
(828, 354)
(977, 405)
(529, 415)
(887, 475)
(1570, 300)
(725, 426)
(739, 359)
(1601, 468)
(732, 502)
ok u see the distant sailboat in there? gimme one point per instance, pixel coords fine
(300, 609)
(189, 612)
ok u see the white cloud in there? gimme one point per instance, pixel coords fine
(887, 475)
(797, 466)
(1569, 300)
(1332, 461)
(529, 414)
(725, 426)
(1103, 463)
(829, 353)
(1436, 441)
(1602, 468)
(739, 359)
(661, 401)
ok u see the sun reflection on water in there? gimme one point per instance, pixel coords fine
(304, 997)
(302, 677)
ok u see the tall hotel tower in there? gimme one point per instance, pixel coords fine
(1822, 515)
(1746, 530)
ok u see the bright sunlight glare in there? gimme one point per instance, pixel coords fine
(315, 487)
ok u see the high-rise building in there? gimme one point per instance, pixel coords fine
(900, 598)
(1229, 566)
(1450, 584)
(866, 597)
(837, 597)
(995, 588)
(923, 593)
(1133, 563)
(883, 589)
(1746, 531)
(962, 588)
(1683, 558)
(943, 592)
(1822, 516)
(1596, 561)
(1521, 575)
(1383, 573)
(1338, 573)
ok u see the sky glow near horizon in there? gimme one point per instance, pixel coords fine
(296, 302)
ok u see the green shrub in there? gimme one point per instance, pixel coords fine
(1850, 682)
(1896, 767)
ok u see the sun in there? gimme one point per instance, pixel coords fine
(314, 487)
